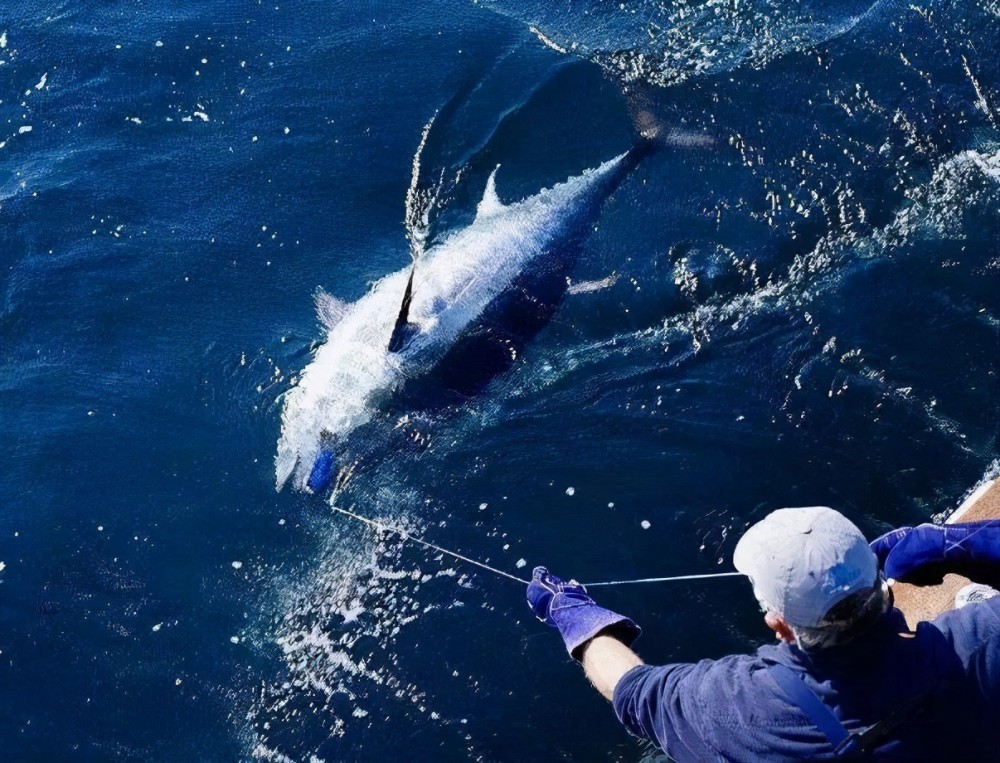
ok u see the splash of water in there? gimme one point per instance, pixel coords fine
(420, 201)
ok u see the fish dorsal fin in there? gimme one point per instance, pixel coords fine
(329, 309)
(491, 203)
(403, 331)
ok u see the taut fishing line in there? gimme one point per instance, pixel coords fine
(407, 536)
(703, 576)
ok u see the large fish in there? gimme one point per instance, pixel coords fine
(486, 286)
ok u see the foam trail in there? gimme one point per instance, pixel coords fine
(934, 211)
(419, 202)
(338, 629)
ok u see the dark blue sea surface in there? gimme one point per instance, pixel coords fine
(795, 301)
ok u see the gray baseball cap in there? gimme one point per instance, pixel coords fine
(804, 561)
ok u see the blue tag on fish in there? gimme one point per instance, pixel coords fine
(322, 472)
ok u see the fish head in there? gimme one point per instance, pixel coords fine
(333, 398)
(298, 449)
(311, 444)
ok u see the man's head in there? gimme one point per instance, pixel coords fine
(813, 573)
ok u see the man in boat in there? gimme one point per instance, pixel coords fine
(847, 678)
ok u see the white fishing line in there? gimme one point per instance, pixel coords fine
(672, 578)
(407, 536)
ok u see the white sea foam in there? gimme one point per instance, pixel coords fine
(937, 208)
(338, 627)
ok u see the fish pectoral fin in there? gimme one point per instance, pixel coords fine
(403, 331)
(329, 309)
(402, 335)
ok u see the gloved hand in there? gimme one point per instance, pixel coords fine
(567, 607)
(904, 551)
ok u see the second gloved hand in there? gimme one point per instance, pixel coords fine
(904, 551)
(567, 607)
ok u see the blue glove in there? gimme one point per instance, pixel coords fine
(904, 551)
(568, 609)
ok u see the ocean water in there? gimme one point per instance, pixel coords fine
(795, 301)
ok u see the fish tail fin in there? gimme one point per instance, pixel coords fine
(649, 126)
(653, 130)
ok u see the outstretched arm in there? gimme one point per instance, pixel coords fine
(605, 660)
(649, 701)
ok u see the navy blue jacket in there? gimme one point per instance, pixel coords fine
(732, 710)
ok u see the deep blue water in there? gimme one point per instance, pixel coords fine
(806, 311)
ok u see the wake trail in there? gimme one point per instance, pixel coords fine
(933, 211)
(668, 43)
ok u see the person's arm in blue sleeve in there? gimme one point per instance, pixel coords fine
(689, 709)
(644, 698)
(973, 633)
(907, 551)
